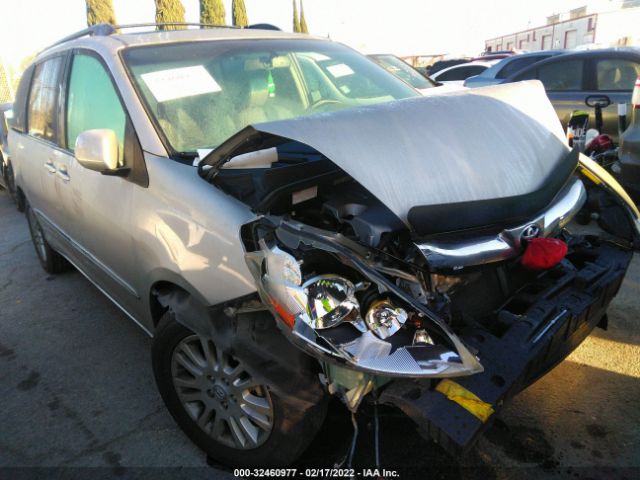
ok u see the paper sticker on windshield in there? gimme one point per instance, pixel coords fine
(318, 57)
(180, 82)
(340, 70)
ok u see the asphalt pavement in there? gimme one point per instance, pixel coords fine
(77, 396)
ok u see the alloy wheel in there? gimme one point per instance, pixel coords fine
(220, 395)
(38, 235)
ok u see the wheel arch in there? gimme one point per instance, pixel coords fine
(163, 290)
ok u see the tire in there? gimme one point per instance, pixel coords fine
(50, 260)
(11, 182)
(21, 202)
(291, 428)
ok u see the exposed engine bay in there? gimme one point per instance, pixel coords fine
(355, 287)
(376, 293)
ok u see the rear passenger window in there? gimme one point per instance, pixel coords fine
(461, 73)
(19, 120)
(92, 102)
(617, 74)
(562, 75)
(514, 66)
(43, 99)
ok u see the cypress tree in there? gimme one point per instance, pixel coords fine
(303, 22)
(212, 12)
(169, 11)
(296, 20)
(239, 13)
(100, 11)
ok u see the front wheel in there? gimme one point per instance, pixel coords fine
(11, 182)
(222, 407)
(51, 261)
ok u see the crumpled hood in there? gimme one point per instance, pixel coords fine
(469, 145)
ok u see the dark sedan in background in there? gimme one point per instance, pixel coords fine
(508, 66)
(573, 77)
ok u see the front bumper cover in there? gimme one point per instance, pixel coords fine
(542, 325)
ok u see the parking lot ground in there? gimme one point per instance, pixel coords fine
(77, 397)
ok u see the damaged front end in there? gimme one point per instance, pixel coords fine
(359, 317)
(394, 290)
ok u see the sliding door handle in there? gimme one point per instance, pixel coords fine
(51, 168)
(62, 173)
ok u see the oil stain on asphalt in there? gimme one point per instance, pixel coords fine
(30, 382)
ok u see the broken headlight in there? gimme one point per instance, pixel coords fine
(384, 318)
(330, 301)
(323, 315)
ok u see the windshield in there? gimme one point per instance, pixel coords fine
(199, 94)
(402, 70)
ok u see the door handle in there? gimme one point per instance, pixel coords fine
(602, 101)
(62, 173)
(50, 166)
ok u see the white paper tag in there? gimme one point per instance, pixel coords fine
(202, 152)
(180, 82)
(340, 70)
(258, 159)
(318, 57)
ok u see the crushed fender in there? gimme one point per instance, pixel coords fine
(267, 355)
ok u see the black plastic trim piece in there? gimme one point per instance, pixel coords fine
(432, 219)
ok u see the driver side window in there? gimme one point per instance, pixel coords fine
(561, 75)
(92, 102)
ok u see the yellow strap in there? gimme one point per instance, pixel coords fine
(466, 399)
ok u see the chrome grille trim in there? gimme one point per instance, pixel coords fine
(457, 254)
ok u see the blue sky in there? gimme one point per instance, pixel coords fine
(403, 27)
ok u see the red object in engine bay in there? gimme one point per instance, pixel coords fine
(543, 253)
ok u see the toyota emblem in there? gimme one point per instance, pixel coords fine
(530, 231)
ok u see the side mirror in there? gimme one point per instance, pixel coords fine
(97, 149)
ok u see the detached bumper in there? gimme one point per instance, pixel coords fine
(541, 326)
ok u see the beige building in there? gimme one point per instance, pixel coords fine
(603, 23)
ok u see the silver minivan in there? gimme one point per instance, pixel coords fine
(289, 221)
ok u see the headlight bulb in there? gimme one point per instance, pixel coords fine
(384, 319)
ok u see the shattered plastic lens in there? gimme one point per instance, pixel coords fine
(311, 310)
(282, 285)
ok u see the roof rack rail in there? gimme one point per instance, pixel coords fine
(106, 29)
(101, 29)
(171, 24)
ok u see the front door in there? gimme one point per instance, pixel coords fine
(564, 83)
(100, 204)
(615, 78)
